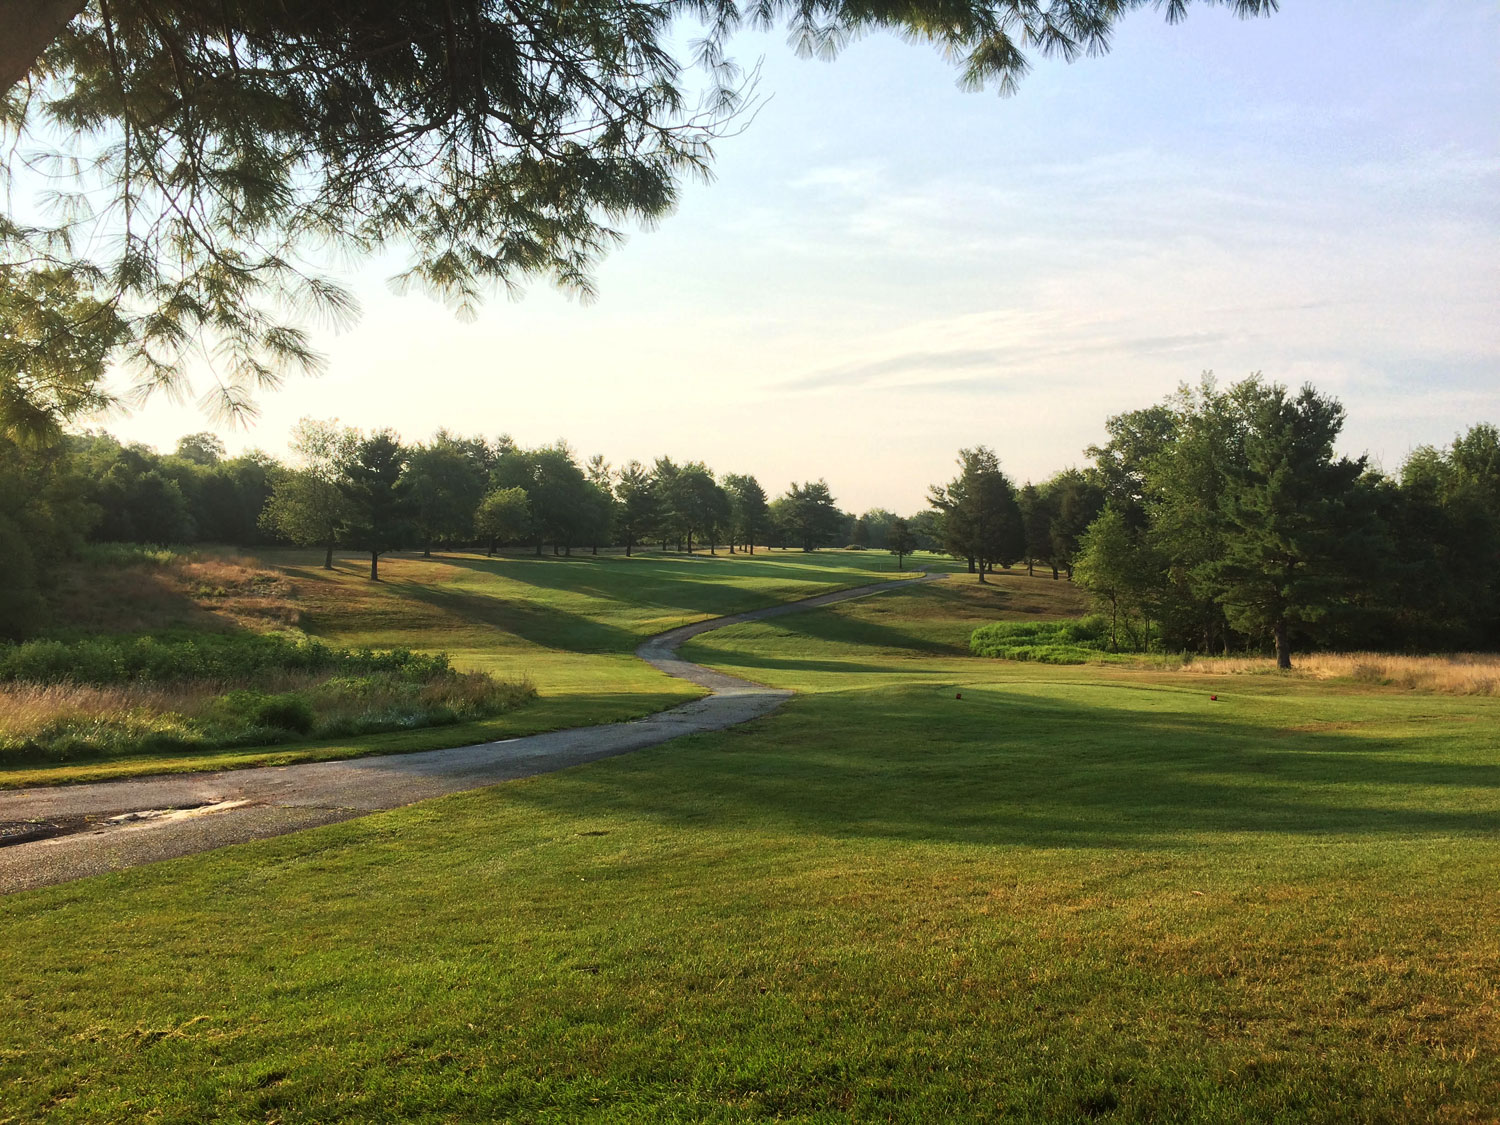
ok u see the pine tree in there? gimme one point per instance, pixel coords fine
(1292, 528)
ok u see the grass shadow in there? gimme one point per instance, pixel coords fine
(1017, 768)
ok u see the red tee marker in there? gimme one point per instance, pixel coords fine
(1213, 699)
(958, 695)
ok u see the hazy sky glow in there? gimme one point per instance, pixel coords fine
(888, 268)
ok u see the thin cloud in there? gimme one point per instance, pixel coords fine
(1009, 358)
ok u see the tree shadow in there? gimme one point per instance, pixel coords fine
(688, 585)
(543, 625)
(1017, 768)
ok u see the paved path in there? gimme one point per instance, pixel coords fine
(142, 820)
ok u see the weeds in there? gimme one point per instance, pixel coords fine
(308, 691)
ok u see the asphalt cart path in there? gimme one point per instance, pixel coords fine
(50, 835)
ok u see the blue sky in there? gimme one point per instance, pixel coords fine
(887, 268)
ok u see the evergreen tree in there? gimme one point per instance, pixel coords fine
(1077, 501)
(749, 514)
(600, 516)
(813, 519)
(980, 517)
(1036, 521)
(1293, 531)
(372, 480)
(900, 541)
(493, 144)
(636, 506)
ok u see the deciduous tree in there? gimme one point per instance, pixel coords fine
(502, 516)
(307, 504)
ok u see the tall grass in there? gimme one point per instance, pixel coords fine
(115, 696)
(66, 722)
(1451, 674)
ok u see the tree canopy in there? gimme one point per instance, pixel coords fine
(488, 142)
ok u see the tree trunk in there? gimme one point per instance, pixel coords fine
(1054, 572)
(374, 566)
(328, 557)
(491, 552)
(1029, 572)
(539, 548)
(971, 564)
(689, 543)
(900, 561)
(628, 545)
(1283, 645)
(595, 549)
(27, 28)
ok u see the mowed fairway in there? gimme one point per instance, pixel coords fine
(1073, 894)
(569, 625)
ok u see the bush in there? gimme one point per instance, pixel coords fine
(1079, 641)
(200, 656)
(287, 712)
(130, 554)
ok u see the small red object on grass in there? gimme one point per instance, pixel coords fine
(958, 695)
(1213, 699)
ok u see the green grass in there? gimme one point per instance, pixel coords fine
(1073, 894)
(568, 625)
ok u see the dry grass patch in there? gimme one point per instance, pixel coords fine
(139, 591)
(1463, 673)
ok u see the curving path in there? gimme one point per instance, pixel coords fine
(118, 824)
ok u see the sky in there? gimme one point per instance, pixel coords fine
(887, 268)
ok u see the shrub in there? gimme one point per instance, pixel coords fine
(199, 656)
(287, 712)
(1080, 641)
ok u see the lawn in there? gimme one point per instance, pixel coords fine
(568, 625)
(1073, 894)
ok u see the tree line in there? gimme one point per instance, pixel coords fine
(372, 493)
(1222, 520)
(1218, 520)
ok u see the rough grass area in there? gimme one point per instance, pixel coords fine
(1453, 674)
(125, 588)
(114, 697)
